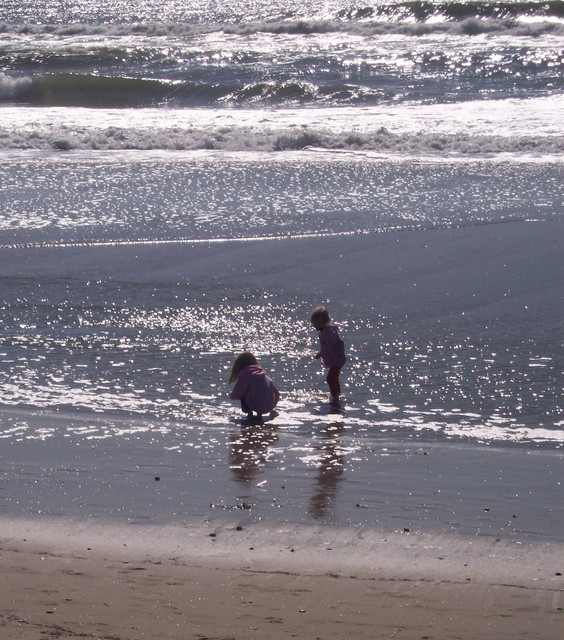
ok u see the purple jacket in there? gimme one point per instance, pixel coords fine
(257, 388)
(332, 347)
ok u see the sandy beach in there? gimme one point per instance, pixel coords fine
(110, 587)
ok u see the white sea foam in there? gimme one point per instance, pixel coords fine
(11, 87)
(513, 127)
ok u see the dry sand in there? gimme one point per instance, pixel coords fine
(85, 592)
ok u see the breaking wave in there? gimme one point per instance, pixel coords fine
(83, 90)
(86, 90)
(239, 12)
(469, 25)
(119, 92)
(425, 10)
(382, 141)
(77, 90)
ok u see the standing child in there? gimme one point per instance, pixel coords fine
(253, 387)
(332, 350)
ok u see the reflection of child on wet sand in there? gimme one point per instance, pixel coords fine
(332, 350)
(253, 387)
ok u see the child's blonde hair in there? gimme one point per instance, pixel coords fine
(320, 317)
(243, 360)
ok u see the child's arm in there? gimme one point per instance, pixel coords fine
(240, 388)
(319, 354)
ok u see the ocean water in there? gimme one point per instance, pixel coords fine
(179, 183)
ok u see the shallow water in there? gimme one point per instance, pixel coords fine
(101, 327)
(150, 197)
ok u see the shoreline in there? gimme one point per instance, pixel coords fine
(90, 469)
(83, 580)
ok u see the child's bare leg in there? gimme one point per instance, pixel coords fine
(333, 382)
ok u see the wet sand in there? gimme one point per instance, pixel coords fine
(411, 588)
